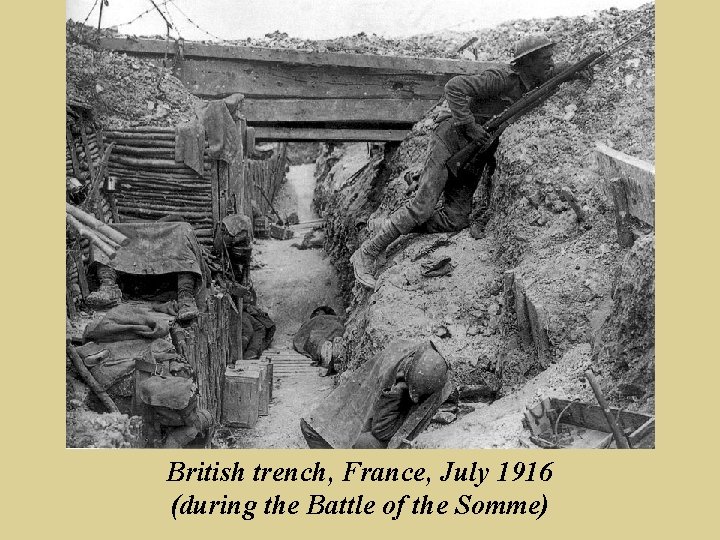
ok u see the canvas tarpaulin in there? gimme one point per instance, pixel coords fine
(156, 248)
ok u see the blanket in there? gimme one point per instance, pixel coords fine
(190, 145)
(222, 133)
(129, 321)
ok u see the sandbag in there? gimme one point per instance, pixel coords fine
(170, 392)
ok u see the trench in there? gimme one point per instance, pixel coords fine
(290, 283)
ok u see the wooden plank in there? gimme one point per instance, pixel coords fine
(156, 47)
(250, 140)
(292, 134)
(70, 141)
(213, 78)
(638, 437)
(637, 177)
(241, 398)
(82, 277)
(206, 345)
(222, 169)
(382, 111)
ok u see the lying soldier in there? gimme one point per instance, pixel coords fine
(154, 248)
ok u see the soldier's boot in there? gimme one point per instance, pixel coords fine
(187, 308)
(363, 260)
(109, 294)
(199, 423)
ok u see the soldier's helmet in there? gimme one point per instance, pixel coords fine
(531, 44)
(427, 373)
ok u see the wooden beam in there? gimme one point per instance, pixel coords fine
(384, 111)
(637, 178)
(263, 134)
(217, 78)
(292, 56)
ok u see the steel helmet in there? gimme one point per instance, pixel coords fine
(531, 44)
(427, 372)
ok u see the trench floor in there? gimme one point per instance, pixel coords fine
(290, 283)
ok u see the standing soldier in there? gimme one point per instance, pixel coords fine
(473, 100)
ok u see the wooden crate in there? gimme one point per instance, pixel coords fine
(241, 397)
(265, 368)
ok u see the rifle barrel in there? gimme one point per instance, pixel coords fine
(622, 45)
(531, 100)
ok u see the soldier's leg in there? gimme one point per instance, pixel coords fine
(255, 345)
(408, 218)
(108, 295)
(187, 308)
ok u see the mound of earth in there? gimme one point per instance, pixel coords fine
(102, 80)
(541, 297)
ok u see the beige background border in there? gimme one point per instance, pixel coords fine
(51, 491)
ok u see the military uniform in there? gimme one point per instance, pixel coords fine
(443, 202)
(470, 98)
(415, 377)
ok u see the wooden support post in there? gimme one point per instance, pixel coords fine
(82, 277)
(73, 153)
(88, 379)
(91, 168)
(215, 193)
(300, 133)
(626, 236)
(620, 438)
(630, 183)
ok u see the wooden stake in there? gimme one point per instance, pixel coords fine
(88, 379)
(620, 439)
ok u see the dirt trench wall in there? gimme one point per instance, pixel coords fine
(537, 289)
(625, 345)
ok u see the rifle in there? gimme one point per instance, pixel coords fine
(496, 125)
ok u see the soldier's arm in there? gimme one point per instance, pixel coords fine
(460, 90)
(583, 75)
(390, 411)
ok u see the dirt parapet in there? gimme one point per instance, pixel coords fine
(530, 298)
(123, 91)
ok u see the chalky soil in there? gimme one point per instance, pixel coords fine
(290, 284)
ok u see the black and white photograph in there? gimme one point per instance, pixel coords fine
(360, 224)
